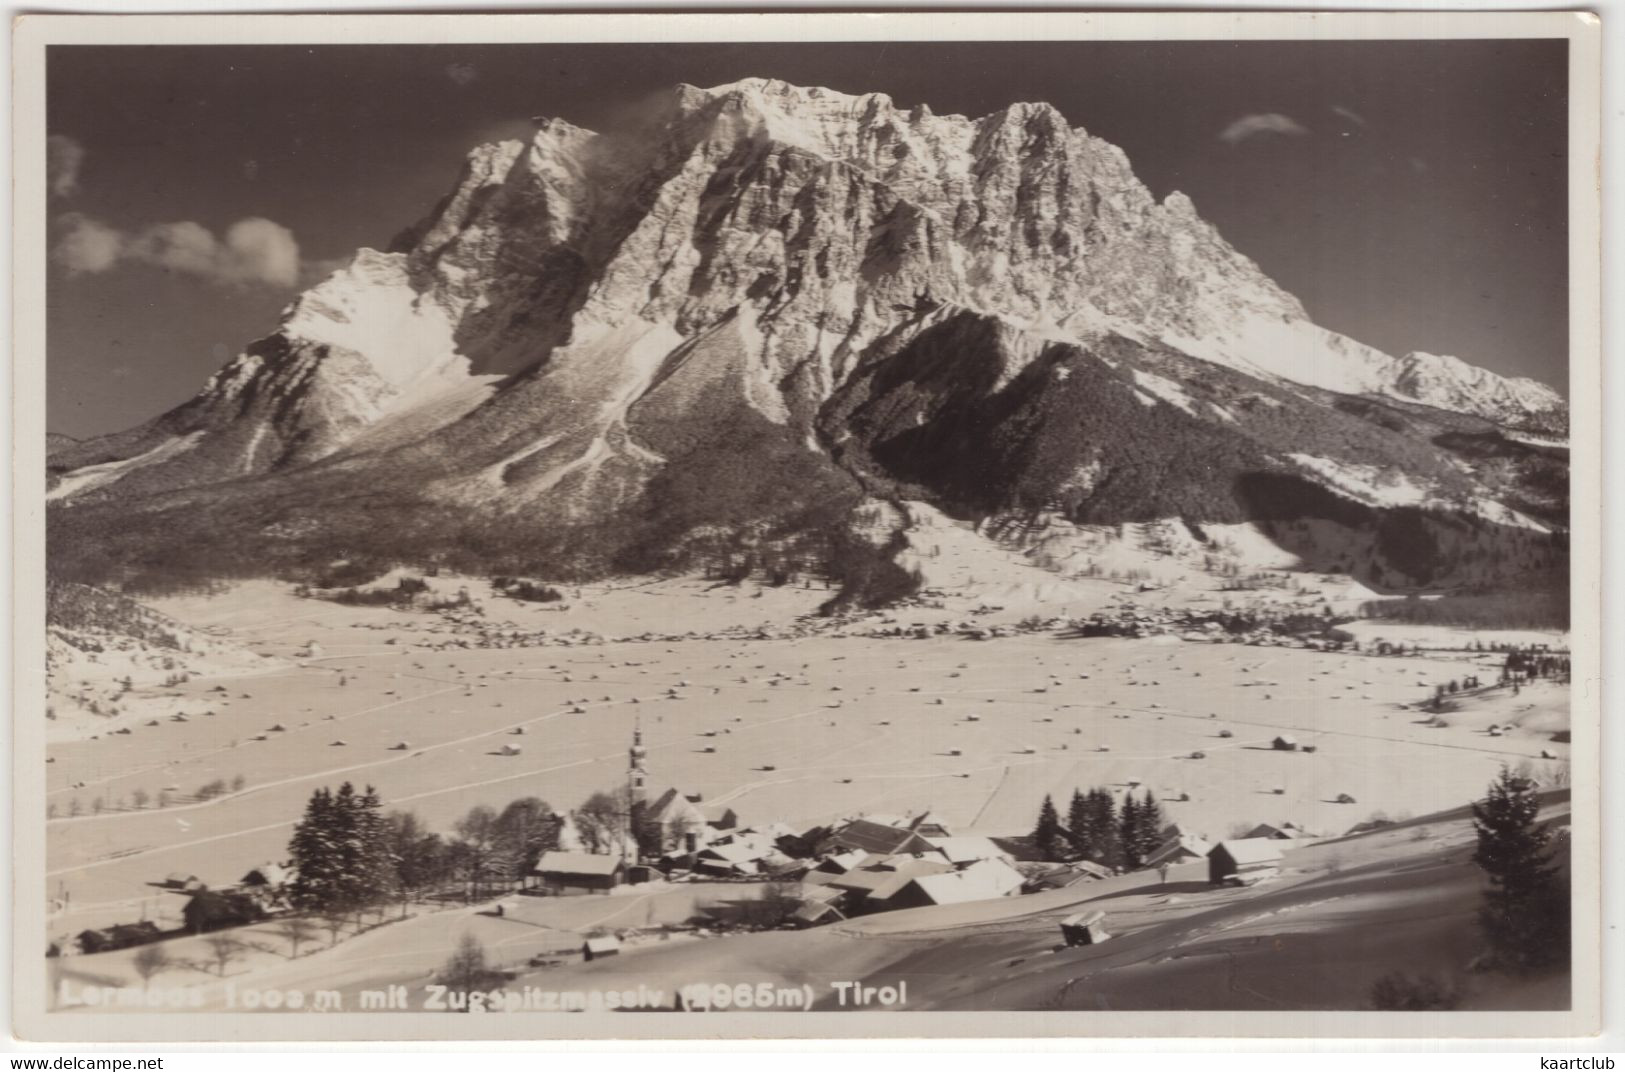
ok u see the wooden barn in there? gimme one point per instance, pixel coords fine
(599, 948)
(1243, 862)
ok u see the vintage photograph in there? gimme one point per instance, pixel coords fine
(1076, 525)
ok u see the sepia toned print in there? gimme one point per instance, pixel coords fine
(807, 536)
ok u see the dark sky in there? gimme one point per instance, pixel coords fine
(1412, 194)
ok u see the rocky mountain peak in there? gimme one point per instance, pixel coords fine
(750, 291)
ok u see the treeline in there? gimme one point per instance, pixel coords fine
(78, 606)
(350, 857)
(1535, 609)
(405, 592)
(1098, 830)
(1528, 665)
(750, 501)
(528, 591)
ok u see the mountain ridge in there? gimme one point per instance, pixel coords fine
(584, 314)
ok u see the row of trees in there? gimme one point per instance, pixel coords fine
(1098, 830)
(350, 856)
(140, 799)
(1526, 666)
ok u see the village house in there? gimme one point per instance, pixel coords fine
(118, 936)
(870, 886)
(1284, 832)
(875, 837)
(964, 851)
(267, 884)
(1179, 850)
(569, 873)
(213, 910)
(984, 880)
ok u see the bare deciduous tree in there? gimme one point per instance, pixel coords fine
(225, 949)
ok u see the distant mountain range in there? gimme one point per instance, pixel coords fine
(727, 328)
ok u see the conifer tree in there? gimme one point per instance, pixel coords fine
(1525, 915)
(340, 852)
(1103, 827)
(1129, 837)
(1077, 821)
(314, 854)
(1047, 834)
(1151, 823)
(376, 875)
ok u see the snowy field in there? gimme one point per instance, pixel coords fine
(803, 730)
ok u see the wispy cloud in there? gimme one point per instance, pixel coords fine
(1350, 114)
(63, 158)
(252, 252)
(1251, 126)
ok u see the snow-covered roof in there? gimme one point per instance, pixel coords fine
(880, 878)
(1171, 850)
(965, 849)
(982, 881)
(577, 863)
(1252, 850)
(270, 874)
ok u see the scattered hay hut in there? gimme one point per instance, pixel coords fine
(1226, 734)
(1084, 928)
(511, 750)
(599, 948)
(1344, 798)
(1285, 743)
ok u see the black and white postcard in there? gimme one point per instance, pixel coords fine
(806, 525)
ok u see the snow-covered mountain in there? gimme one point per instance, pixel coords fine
(758, 304)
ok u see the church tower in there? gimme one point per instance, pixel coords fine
(637, 779)
(637, 776)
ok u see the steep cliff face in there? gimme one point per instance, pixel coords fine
(993, 312)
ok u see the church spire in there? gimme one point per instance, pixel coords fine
(637, 775)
